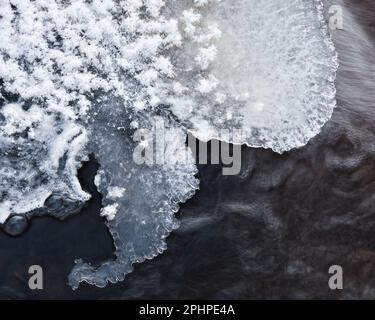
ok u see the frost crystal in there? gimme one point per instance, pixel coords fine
(80, 76)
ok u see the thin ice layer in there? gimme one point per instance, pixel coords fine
(139, 200)
(263, 67)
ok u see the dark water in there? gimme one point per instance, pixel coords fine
(270, 232)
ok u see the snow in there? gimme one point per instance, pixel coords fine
(109, 211)
(116, 192)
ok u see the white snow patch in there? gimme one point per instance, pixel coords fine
(116, 192)
(109, 211)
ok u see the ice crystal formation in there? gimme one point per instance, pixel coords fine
(79, 77)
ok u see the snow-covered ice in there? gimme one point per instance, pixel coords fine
(79, 77)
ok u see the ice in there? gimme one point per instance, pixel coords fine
(39, 158)
(262, 67)
(144, 215)
(83, 77)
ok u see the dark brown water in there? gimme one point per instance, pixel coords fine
(271, 232)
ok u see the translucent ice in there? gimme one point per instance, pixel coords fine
(144, 214)
(263, 67)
